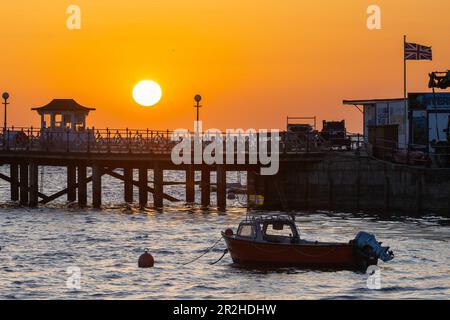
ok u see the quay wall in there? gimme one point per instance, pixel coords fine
(352, 183)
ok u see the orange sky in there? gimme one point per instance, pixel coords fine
(255, 62)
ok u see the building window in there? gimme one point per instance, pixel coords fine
(47, 121)
(58, 120)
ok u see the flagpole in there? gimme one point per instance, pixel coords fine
(404, 67)
(405, 93)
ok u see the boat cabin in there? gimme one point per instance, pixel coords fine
(274, 241)
(273, 229)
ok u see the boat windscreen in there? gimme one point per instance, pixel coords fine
(246, 230)
(279, 231)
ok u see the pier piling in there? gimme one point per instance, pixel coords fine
(96, 186)
(23, 168)
(71, 182)
(158, 176)
(33, 189)
(190, 185)
(128, 184)
(206, 187)
(143, 184)
(14, 174)
(221, 188)
(82, 186)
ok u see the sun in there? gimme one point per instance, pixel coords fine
(147, 93)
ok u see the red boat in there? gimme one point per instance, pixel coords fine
(274, 241)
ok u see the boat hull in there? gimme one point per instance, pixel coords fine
(311, 255)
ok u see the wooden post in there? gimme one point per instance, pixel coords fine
(96, 186)
(71, 182)
(158, 176)
(221, 188)
(190, 185)
(143, 183)
(128, 184)
(206, 187)
(33, 189)
(14, 173)
(23, 168)
(82, 186)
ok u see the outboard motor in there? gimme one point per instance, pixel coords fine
(366, 240)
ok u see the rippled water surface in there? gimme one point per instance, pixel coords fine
(39, 245)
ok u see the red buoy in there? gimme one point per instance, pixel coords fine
(229, 232)
(146, 260)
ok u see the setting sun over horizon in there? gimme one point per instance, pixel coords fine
(147, 93)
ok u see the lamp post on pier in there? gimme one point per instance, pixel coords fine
(197, 99)
(5, 97)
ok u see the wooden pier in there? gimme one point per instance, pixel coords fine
(102, 152)
(311, 177)
(315, 172)
(24, 179)
(128, 156)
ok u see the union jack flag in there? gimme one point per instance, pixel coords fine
(414, 51)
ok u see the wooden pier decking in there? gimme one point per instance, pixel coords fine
(104, 151)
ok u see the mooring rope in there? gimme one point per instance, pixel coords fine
(223, 255)
(204, 253)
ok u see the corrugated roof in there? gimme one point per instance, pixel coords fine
(371, 101)
(63, 105)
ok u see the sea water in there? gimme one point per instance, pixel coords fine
(59, 251)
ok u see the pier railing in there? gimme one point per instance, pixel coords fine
(138, 141)
(87, 140)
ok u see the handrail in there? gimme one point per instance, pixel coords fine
(114, 140)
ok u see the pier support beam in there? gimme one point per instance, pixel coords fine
(71, 183)
(82, 186)
(206, 187)
(158, 176)
(23, 168)
(96, 186)
(34, 176)
(221, 188)
(143, 184)
(128, 184)
(14, 174)
(190, 185)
